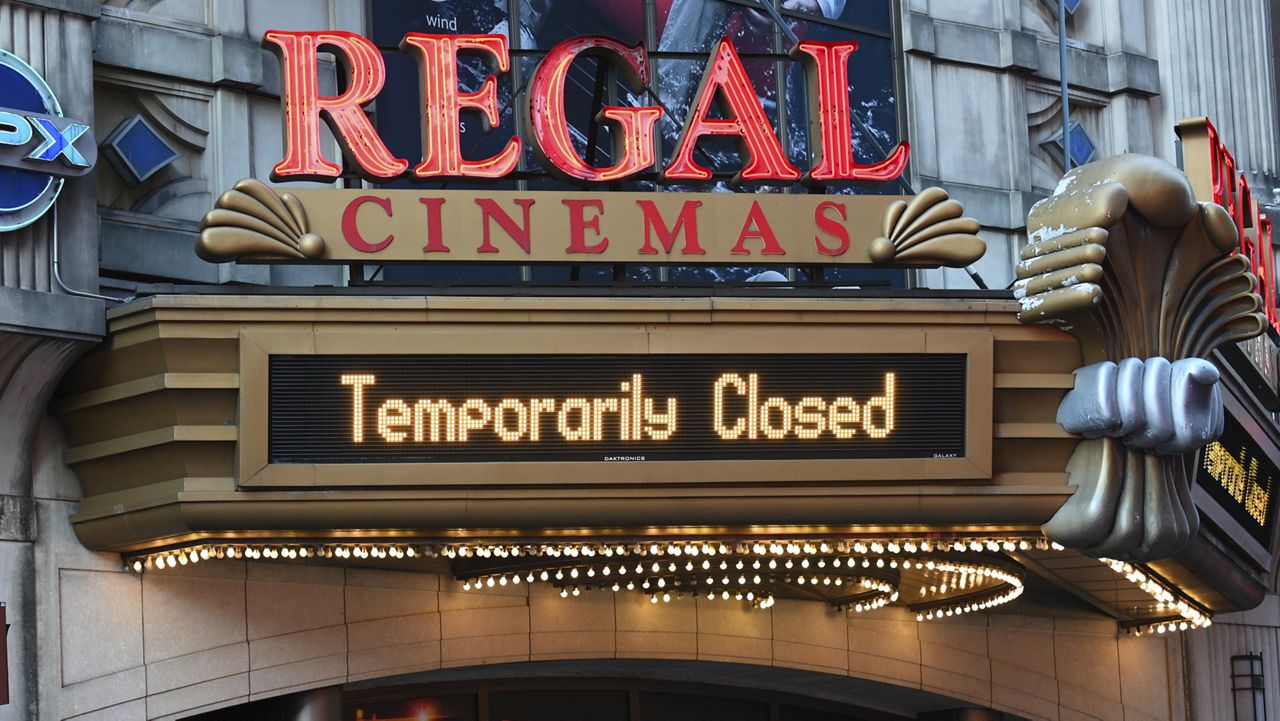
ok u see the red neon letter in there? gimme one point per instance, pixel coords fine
(435, 236)
(579, 223)
(831, 227)
(442, 102)
(687, 221)
(303, 104)
(1266, 271)
(490, 210)
(827, 66)
(632, 127)
(757, 226)
(351, 230)
(724, 73)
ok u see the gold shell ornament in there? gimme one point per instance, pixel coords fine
(930, 229)
(252, 221)
(1123, 257)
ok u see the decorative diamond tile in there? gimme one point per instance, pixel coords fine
(136, 150)
(1081, 146)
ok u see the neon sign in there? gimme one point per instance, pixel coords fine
(39, 147)
(426, 409)
(725, 82)
(1207, 159)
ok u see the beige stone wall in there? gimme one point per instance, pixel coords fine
(118, 645)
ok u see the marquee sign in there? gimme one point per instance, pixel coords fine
(614, 408)
(1213, 172)
(38, 146)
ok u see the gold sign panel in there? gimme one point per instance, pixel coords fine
(255, 222)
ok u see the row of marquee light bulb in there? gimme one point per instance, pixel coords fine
(1188, 616)
(195, 554)
(884, 592)
(1183, 615)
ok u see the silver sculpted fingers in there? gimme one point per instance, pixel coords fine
(1196, 406)
(1154, 405)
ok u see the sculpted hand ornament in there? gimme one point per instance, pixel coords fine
(1124, 258)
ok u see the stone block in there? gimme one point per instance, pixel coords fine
(198, 667)
(479, 622)
(961, 686)
(656, 644)
(1144, 675)
(888, 638)
(1019, 679)
(1025, 705)
(1022, 648)
(809, 657)
(570, 644)
(1088, 663)
(955, 660)
(277, 608)
(294, 647)
(736, 649)
(197, 695)
(322, 671)
(365, 603)
(102, 692)
(479, 650)
(394, 579)
(391, 632)
(732, 618)
(634, 612)
(811, 623)
(186, 614)
(101, 623)
(880, 668)
(1088, 700)
(548, 612)
(387, 660)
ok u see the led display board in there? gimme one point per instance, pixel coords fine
(361, 409)
(1240, 476)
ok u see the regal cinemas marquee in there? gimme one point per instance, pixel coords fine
(1097, 430)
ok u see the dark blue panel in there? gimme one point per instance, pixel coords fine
(146, 151)
(19, 187)
(16, 92)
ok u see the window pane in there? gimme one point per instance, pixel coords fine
(575, 705)
(873, 14)
(399, 110)
(687, 707)
(870, 93)
(547, 22)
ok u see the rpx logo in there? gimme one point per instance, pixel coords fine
(57, 137)
(39, 147)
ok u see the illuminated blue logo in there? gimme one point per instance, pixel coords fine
(39, 148)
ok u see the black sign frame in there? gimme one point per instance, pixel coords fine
(254, 469)
(635, 408)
